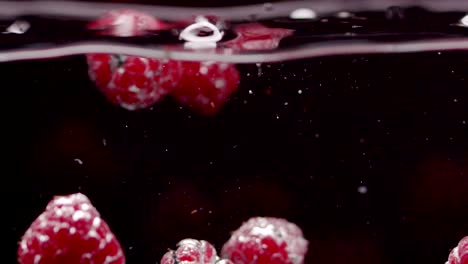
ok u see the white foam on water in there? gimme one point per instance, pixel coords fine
(93, 10)
(89, 10)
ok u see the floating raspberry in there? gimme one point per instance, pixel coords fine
(127, 23)
(133, 82)
(191, 251)
(459, 255)
(255, 36)
(206, 86)
(266, 240)
(70, 231)
(129, 81)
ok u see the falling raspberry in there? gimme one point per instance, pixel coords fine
(266, 240)
(459, 255)
(131, 82)
(71, 231)
(127, 23)
(206, 86)
(255, 36)
(191, 251)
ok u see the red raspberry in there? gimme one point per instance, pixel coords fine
(266, 240)
(127, 23)
(136, 83)
(191, 251)
(133, 82)
(225, 261)
(70, 231)
(206, 86)
(459, 255)
(129, 81)
(256, 36)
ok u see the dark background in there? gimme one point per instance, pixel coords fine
(393, 123)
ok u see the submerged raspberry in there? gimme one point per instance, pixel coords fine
(206, 86)
(129, 81)
(136, 83)
(191, 251)
(266, 240)
(70, 231)
(133, 82)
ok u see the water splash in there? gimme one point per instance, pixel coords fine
(321, 28)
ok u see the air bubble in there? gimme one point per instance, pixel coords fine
(464, 21)
(344, 14)
(362, 189)
(303, 13)
(259, 69)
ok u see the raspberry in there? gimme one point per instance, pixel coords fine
(191, 251)
(129, 81)
(133, 82)
(70, 231)
(225, 261)
(266, 240)
(255, 36)
(127, 23)
(459, 255)
(206, 86)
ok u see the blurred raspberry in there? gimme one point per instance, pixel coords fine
(206, 86)
(127, 23)
(191, 251)
(266, 240)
